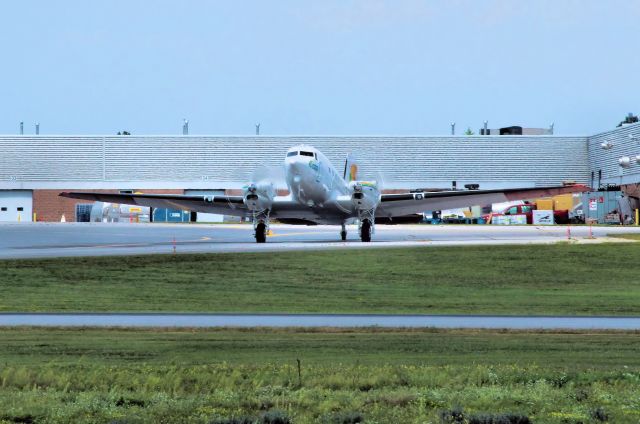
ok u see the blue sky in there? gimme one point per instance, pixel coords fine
(317, 67)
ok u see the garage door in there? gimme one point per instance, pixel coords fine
(16, 205)
(207, 217)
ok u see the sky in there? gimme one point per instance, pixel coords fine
(325, 67)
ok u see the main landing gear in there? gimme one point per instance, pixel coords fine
(261, 232)
(343, 232)
(261, 226)
(365, 230)
(367, 219)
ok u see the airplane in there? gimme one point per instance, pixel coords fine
(319, 194)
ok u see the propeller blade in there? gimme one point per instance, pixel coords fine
(269, 174)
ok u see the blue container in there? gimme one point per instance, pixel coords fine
(170, 215)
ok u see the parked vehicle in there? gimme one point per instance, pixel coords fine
(559, 217)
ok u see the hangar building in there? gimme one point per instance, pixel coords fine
(34, 169)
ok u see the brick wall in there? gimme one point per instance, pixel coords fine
(50, 207)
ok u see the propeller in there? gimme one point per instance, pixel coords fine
(265, 175)
(380, 181)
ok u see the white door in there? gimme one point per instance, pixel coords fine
(206, 217)
(16, 205)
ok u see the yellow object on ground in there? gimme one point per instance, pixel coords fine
(563, 202)
(544, 204)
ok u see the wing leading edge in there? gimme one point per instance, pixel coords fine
(221, 204)
(409, 203)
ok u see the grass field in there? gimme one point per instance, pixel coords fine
(377, 375)
(533, 279)
(629, 236)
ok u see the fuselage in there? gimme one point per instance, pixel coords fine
(312, 179)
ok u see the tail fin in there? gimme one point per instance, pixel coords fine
(350, 168)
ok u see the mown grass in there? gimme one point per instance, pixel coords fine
(629, 236)
(377, 375)
(533, 279)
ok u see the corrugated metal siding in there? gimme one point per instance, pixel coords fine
(50, 158)
(403, 161)
(607, 160)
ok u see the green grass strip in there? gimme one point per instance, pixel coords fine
(532, 279)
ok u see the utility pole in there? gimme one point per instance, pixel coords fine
(185, 127)
(37, 128)
(21, 127)
(453, 128)
(258, 128)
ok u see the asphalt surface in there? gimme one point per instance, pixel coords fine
(34, 240)
(320, 320)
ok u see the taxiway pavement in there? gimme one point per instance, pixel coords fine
(319, 320)
(37, 240)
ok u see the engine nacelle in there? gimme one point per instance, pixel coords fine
(364, 194)
(259, 197)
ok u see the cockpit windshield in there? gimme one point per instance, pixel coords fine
(302, 153)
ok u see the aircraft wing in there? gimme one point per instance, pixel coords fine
(218, 204)
(409, 203)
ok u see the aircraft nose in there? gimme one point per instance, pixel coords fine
(295, 165)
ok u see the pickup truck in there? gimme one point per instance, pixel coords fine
(559, 217)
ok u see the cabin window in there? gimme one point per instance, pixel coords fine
(307, 154)
(292, 154)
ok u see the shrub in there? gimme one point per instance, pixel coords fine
(275, 417)
(499, 419)
(130, 402)
(600, 414)
(455, 415)
(235, 420)
(26, 419)
(347, 418)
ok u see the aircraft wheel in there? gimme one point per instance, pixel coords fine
(343, 235)
(261, 233)
(365, 231)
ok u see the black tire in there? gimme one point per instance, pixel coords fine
(261, 233)
(365, 231)
(343, 235)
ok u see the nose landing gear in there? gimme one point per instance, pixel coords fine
(343, 232)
